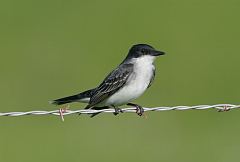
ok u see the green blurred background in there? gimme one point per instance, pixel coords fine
(51, 48)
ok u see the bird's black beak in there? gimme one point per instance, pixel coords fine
(157, 53)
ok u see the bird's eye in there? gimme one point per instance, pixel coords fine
(144, 51)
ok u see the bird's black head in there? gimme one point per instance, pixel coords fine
(139, 50)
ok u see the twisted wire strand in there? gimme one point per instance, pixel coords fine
(63, 112)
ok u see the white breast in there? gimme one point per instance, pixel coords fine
(136, 84)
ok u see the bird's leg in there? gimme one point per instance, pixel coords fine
(117, 110)
(139, 109)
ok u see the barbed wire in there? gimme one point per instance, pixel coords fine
(65, 111)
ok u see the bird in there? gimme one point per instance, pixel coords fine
(128, 81)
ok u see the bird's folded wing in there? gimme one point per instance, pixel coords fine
(112, 83)
(152, 79)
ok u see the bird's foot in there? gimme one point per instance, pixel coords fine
(139, 109)
(117, 110)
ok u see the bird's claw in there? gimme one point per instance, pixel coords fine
(139, 109)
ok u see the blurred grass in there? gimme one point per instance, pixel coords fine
(51, 49)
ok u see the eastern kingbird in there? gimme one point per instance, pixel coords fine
(124, 84)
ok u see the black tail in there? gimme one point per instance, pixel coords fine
(74, 98)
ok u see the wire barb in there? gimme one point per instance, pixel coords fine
(66, 111)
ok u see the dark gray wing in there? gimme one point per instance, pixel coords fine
(112, 83)
(152, 79)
